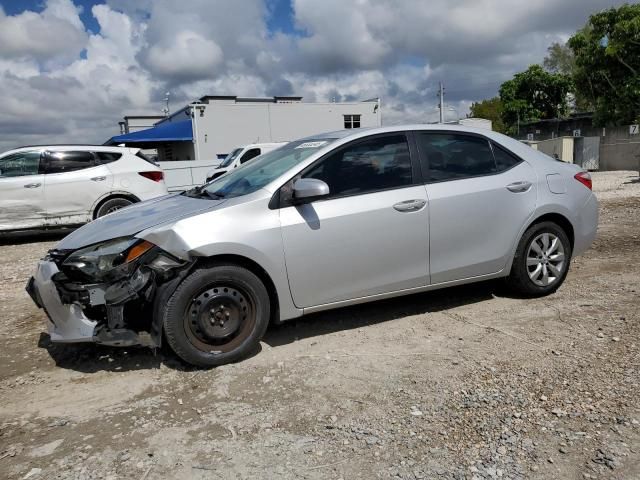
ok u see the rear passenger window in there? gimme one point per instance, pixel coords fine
(106, 157)
(455, 156)
(377, 164)
(504, 159)
(62, 162)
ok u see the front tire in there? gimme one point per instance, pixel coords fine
(217, 315)
(541, 262)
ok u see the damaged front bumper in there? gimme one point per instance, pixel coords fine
(119, 313)
(65, 323)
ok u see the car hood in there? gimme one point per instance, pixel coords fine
(140, 216)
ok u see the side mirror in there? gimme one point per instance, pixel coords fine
(309, 189)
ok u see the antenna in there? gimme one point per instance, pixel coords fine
(166, 109)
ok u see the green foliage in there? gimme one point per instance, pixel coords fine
(560, 59)
(607, 72)
(534, 94)
(490, 109)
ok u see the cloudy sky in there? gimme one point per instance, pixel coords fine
(71, 69)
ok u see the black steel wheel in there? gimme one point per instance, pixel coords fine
(217, 315)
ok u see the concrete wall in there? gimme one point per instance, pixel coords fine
(225, 125)
(619, 150)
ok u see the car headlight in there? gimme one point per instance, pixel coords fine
(101, 259)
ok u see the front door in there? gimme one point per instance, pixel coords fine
(480, 197)
(370, 236)
(21, 191)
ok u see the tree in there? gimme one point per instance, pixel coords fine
(490, 109)
(560, 59)
(607, 56)
(534, 94)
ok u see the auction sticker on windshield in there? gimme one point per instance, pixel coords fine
(312, 144)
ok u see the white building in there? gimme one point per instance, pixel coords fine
(211, 127)
(135, 123)
(198, 136)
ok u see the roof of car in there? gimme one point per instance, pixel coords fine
(357, 132)
(81, 146)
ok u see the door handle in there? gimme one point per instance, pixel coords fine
(98, 179)
(519, 187)
(410, 205)
(32, 185)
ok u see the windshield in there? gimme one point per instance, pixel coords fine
(230, 158)
(254, 175)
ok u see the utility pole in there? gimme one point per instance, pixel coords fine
(166, 109)
(441, 105)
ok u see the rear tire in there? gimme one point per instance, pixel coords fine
(217, 315)
(541, 262)
(111, 205)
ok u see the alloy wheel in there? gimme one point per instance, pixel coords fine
(546, 260)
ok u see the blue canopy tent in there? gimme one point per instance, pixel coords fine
(180, 131)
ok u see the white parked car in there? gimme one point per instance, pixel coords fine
(52, 186)
(240, 156)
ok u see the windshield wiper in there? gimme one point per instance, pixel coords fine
(214, 195)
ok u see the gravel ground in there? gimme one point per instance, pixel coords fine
(465, 383)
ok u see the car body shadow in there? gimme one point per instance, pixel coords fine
(23, 237)
(92, 358)
(363, 315)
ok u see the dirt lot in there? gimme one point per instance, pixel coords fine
(461, 383)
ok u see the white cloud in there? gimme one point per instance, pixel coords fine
(56, 32)
(60, 82)
(187, 55)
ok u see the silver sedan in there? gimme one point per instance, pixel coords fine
(338, 219)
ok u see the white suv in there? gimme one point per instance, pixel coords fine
(50, 186)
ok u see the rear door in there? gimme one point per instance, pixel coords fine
(74, 181)
(480, 197)
(21, 191)
(370, 236)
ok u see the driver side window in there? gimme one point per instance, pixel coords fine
(372, 165)
(20, 164)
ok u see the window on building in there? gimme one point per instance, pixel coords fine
(454, 156)
(377, 164)
(352, 121)
(61, 162)
(20, 164)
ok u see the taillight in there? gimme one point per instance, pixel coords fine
(585, 179)
(155, 176)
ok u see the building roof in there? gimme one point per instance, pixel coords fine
(180, 131)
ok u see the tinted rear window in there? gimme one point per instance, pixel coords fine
(107, 157)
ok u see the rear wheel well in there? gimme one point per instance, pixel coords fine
(256, 269)
(126, 196)
(559, 220)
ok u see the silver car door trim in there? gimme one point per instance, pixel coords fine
(410, 205)
(519, 187)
